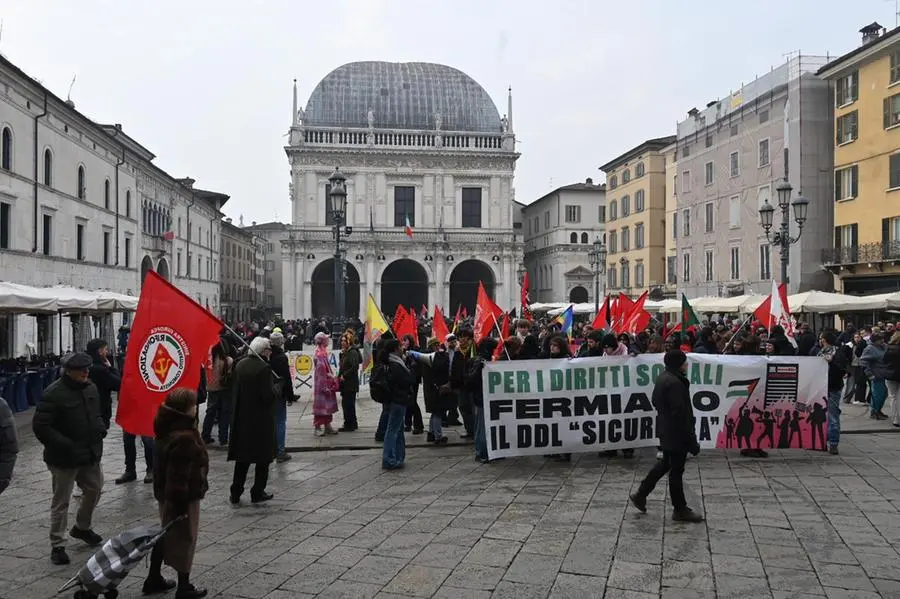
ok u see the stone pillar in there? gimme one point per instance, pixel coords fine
(440, 296)
(507, 299)
(301, 303)
(288, 292)
(370, 285)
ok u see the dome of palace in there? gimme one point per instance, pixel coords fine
(401, 95)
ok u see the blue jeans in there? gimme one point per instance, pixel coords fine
(218, 407)
(434, 425)
(280, 425)
(879, 394)
(394, 452)
(480, 440)
(382, 423)
(834, 416)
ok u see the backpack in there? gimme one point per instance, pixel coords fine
(380, 384)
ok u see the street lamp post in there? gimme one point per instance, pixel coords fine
(338, 197)
(597, 256)
(782, 238)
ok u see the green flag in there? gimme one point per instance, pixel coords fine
(688, 316)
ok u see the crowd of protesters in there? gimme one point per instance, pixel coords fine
(247, 387)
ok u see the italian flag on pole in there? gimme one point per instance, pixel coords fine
(408, 227)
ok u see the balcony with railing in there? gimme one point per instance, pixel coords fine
(402, 139)
(875, 254)
(396, 235)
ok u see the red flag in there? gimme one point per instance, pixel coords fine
(637, 318)
(465, 311)
(439, 326)
(403, 324)
(504, 335)
(763, 312)
(170, 341)
(424, 312)
(601, 321)
(525, 299)
(486, 314)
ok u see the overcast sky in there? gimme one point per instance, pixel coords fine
(206, 84)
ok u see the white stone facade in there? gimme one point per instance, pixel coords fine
(432, 169)
(71, 212)
(560, 229)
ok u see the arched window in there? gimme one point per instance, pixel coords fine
(81, 192)
(584, 238)
(6, 148)
(613, 182)
(128, 202)
(48, 168)
(106, 194)
(626, 176)
(639, 171)
(573, 238)
(612, 211)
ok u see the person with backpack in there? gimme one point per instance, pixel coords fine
(399, 382)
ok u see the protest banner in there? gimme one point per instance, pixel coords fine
(302, 371)
(537, 407)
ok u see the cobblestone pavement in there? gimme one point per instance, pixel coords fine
(798, 525)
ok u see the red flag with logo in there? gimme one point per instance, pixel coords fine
(169, 344)
(486, 314)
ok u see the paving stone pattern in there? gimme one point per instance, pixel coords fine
(798, 525)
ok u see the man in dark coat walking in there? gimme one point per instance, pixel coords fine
(677, 438)
(69, 424)
(252, 438)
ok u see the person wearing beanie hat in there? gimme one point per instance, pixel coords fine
(677, 437)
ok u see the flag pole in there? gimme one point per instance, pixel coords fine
(250, 349)
(500, 333)
(743, 324)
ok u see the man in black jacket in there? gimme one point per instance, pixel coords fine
(68, 422)
(677, 438)
(103, 375)
(838, 358)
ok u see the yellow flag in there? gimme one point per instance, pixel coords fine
(376, 326)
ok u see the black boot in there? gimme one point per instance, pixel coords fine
(186, 590)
